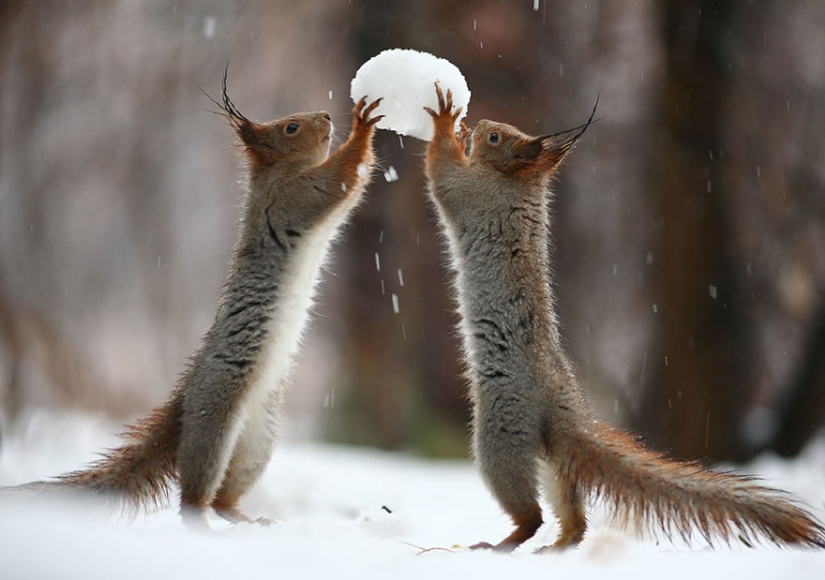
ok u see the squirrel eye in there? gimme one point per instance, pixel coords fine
(291, 128)
(493, 137)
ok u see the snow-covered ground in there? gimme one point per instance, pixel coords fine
(329, 503)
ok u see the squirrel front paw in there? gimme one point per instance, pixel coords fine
(361, 114)
(446, 117)
(445, 107)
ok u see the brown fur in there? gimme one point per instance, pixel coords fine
(132, 478)
(649, 491)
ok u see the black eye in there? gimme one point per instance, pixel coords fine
(493, 137)
(291, 128)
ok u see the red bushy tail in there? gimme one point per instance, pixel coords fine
(133, 477)
(647, 490)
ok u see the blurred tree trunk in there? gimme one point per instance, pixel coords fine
(695, 402)
(404, 386)
(802, 408)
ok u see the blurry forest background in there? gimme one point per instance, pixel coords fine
(689, 230)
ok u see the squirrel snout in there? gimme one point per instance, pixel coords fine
(323, 122)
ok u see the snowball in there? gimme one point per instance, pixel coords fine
(405, 79)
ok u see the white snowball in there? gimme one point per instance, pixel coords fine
(405, 79)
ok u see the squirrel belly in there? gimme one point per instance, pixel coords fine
(216, 434)
(532, 428)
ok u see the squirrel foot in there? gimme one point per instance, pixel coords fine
(483, 546)
(552, 549)
(236, 516)
(502, 547)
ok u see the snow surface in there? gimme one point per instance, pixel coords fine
(405, 79)
(328, 502)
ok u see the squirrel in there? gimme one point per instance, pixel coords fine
(532, 429)
(216, 433)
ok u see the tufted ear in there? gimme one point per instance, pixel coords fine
(251, 134)
(530, 150)
(554, 148)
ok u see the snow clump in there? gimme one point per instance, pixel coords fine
(405, 79)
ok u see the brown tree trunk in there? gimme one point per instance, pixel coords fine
(802, 408)
(694, 404)
(404, 385)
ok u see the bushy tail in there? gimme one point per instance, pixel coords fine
(645, 489)
(131, 478)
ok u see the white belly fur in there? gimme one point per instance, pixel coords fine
(291, 312)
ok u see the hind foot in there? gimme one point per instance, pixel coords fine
(236, 516)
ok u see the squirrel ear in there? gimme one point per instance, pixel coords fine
(248, 132)
(531, 150)
(554, 150)
(251, 134)
(556, 146)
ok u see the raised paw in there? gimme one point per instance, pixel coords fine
(445, 105)
(361, 113)
(463, 133)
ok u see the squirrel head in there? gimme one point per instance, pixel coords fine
(508, 150)
(301, 139)
(514, 153)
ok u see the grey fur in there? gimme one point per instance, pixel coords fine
(216, 433)
(532, 429)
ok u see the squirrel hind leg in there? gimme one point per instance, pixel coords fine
(235, 485)
(193, 515)
(568, 506)
(510, 469)
(519, 499)
(573, 522)
(231, 513)
(526, 527)
(250, 458)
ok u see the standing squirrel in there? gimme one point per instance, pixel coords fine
(532, 429)
(216, 433)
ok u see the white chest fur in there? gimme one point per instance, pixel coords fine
(291, 311)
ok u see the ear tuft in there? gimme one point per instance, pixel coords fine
(557, 145)
(248, 132)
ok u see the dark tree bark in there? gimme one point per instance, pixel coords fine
(404, 386)
(802, 408)
(694, 403)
